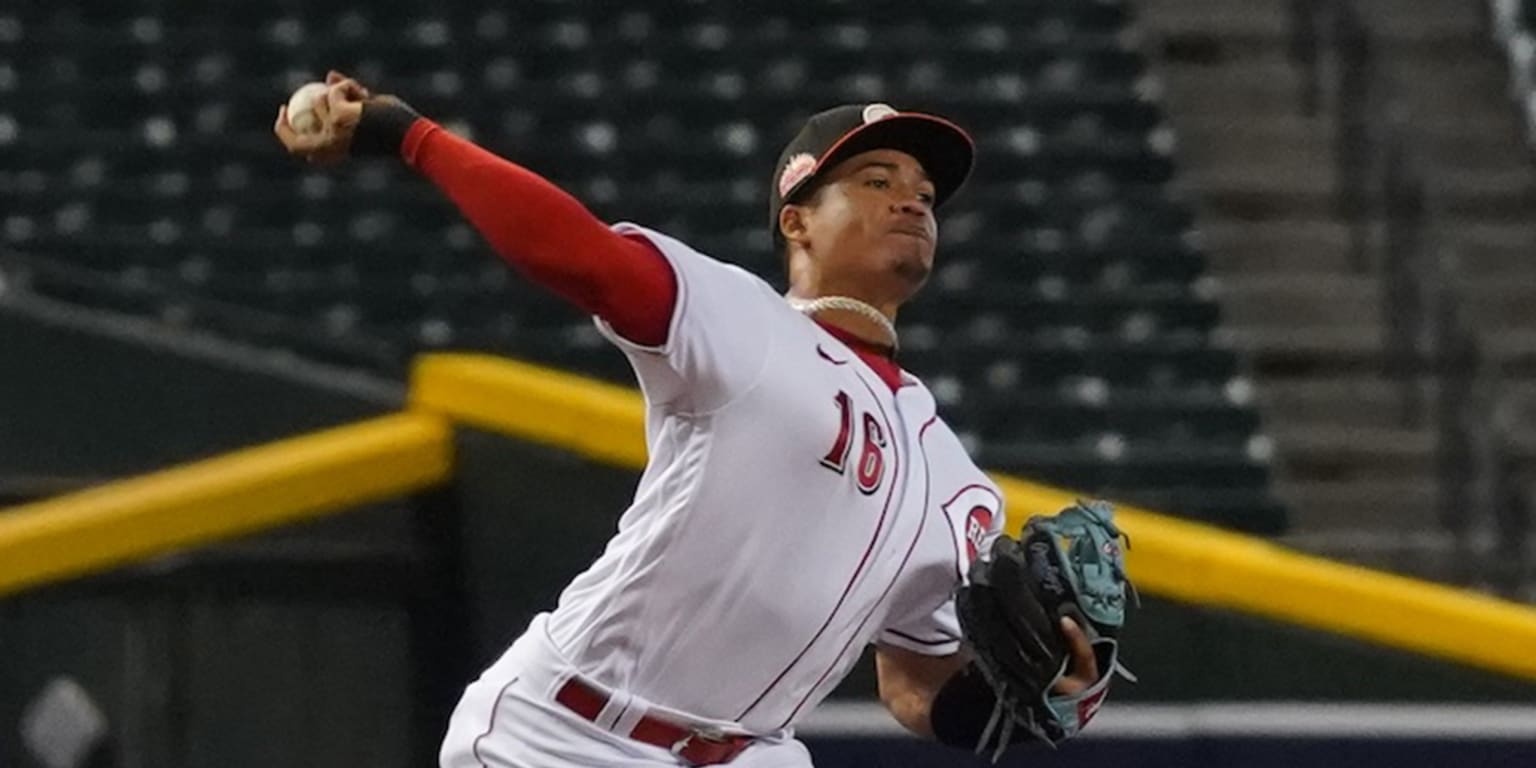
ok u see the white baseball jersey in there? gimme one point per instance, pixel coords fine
(794, 510)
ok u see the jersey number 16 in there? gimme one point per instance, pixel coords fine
(871, 464)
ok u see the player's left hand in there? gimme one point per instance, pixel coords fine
(1052, 672)
(1083, 671)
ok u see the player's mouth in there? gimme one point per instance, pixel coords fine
(910, 231)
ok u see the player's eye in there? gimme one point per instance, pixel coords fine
(878, 182)
(926, 197)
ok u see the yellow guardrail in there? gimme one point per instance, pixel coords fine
(597, 420)
(1170, 557)
(340, 468)
(1200, 564)
(237, 493)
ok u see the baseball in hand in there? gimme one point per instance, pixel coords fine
(301, 108)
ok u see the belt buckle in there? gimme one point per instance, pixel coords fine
(713, 735)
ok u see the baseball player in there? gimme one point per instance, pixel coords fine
(802, 497)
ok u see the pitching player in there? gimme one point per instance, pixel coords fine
(802, 498)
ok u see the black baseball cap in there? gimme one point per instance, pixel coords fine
(945, 150)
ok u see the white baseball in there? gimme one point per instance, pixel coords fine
(301, 107)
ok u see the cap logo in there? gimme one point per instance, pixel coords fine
(878, 111)
(795, 171)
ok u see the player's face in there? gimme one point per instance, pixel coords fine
(872, 220)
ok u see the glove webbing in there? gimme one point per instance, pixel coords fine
(1006, 718)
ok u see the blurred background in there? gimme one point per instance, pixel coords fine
(1267, 265)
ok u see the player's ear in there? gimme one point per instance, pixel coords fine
(792, 223)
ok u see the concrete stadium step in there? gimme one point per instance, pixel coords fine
(1498, 235)
(1268, 88)
(1319, 245)
(1268, 22)
(1236, 61)
(1278, 300)
(1503, 302)
(1409, 17)
(1518, 401)
(1384, 505)
(1482, 96)
(1472, 126)
(1486, 192)
(1255, 18)
(1487, 143)
(1306, 349)
(1262, 173)
(1398, 22)
(1522, 394)
(1190, 41)
(1288, 137)
(1292, 302)
(1485, 248)
(1291, 140)
(1197, 46)
(1487, 64)
(1278, 200)
(1346, 401)
(1429, 83)
(1514, 350)
(1264, 81)
(1427, 555)
(1261, 192)
(1481, 261)
(1321, 453)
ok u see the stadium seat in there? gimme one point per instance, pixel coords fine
(1066, 329)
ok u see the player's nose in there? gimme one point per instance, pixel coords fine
(911, 205)
(909, 196)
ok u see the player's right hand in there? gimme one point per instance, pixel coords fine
(339, 113)
(1083, 671)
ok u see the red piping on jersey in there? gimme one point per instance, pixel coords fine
(549, 236)
(921, 521)
(945, 509)
(854, 578)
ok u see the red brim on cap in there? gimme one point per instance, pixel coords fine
(944, 149)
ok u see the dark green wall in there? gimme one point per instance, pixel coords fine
(292, 648)
(198, 675)
(75, 401)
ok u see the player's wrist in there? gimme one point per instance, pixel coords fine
(961, 708)
(383, 126)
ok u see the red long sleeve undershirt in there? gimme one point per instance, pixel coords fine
(553, 239)
(549, 235)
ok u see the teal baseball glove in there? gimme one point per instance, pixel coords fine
(1066, 565)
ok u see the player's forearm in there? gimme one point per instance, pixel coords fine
(910, 682)
(912, 710)
(531, 223)
(542, 231)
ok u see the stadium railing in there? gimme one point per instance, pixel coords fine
(307, 476)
